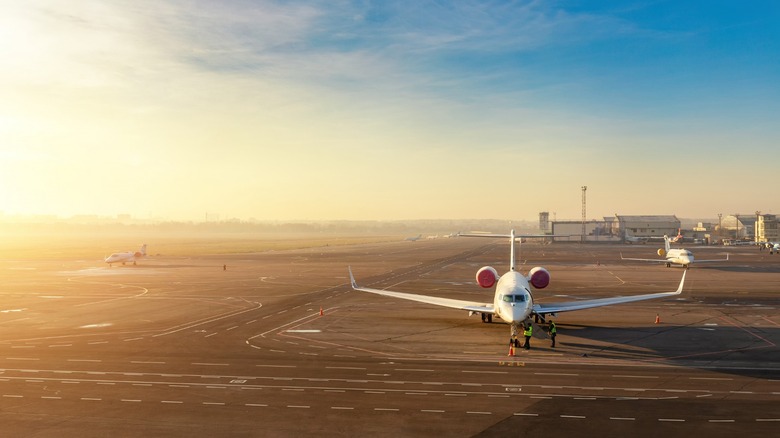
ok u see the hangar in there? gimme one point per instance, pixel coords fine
(645, 226)
(615, 229)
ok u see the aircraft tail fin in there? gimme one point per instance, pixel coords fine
(512, 253)
(143, 249)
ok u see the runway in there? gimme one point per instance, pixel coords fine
(279, 345)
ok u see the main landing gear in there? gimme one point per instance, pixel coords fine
(487, 317)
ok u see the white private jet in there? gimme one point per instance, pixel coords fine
(513, 299)
(676, 256)
(126, 257)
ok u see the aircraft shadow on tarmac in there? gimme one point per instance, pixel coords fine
(747, 351)
(767, 269)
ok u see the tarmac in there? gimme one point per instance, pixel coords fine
(278, 344)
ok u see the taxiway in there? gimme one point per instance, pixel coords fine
(279, 345)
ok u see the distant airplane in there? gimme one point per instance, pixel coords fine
(125, 257)
(513, 300)
(675, 239)
(634, 239)
(773, 247)
(676, 256)
(413, 238)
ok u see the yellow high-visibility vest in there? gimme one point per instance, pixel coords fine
(528, 331)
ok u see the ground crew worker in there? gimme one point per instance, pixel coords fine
(527, 332)
(553, 331)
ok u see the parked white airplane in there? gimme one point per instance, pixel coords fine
(413, 238)
(629, 238)
(773, 247)
(513, 300)
(676, 256)
(125, 257)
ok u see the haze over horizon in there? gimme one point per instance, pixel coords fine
(388, 111)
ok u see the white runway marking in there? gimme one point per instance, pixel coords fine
(635, 377)
(555, 374)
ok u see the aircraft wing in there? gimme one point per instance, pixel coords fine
(472, 306)
(646, 260)
(542, 308)
(709, 261)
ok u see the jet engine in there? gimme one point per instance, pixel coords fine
(661, 252)
(487, 276)
(539, 277)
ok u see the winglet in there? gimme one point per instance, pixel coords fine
(352, 278)
(680, 288)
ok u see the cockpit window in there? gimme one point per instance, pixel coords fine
(513, 298)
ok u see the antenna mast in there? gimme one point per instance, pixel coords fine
(584, 189)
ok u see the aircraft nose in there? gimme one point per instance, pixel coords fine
(519, 313)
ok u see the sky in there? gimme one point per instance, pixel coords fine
(388, 110)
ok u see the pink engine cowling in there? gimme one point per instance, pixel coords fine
(487, 276)
(539, 277)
